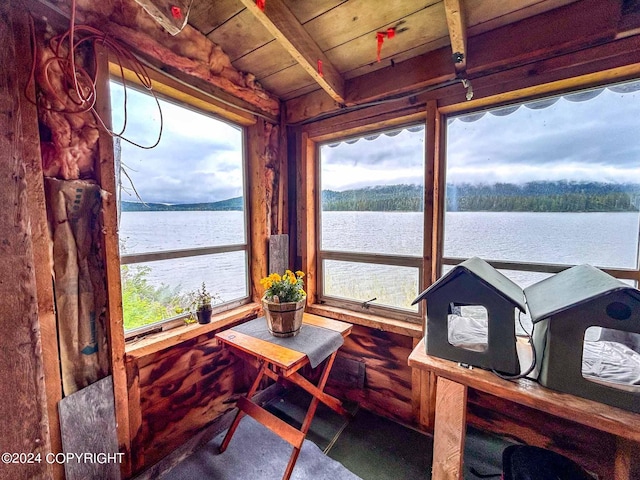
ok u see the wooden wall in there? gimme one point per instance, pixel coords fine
(24, 423)
(176, 392)
(387, 384)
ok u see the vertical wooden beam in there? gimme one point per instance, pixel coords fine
(106, 176)
(293, 167)
(25, 423)
(308, 181)
(135, 414)
(423, 395)
(431, 160)
(457, 33)
(627, 459)
(439, 191)
(39, 237)
(450, 429)
(260, 194)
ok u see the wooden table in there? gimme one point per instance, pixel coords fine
(278, 362)
(451, 403)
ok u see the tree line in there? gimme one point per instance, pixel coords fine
(560, 196)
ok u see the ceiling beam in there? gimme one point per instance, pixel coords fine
(563, 31)
(285, 27)
(457, 33)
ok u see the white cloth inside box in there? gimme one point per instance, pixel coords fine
(605, 362)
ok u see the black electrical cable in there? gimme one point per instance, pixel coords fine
(533, 353)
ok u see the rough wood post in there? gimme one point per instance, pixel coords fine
(450, 429)
(25, 422)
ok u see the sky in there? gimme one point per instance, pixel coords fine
(199, 158)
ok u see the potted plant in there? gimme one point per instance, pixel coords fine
(283, 302)
(202, 304)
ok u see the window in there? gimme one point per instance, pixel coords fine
(540, 186)
(371, 222)
(182, 210)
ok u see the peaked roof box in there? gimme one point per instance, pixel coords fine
(569, 288)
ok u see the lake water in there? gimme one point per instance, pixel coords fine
(600, 239)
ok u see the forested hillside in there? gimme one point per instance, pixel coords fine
(544, 197)
(499, 197)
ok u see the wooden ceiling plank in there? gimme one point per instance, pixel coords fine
(455, 14)
(306, 11)
(240, 35)
(421, 27)
(396, 58)
(357, 18)
(567, 29)
(430, 23)
(284, 26)
(265, 60)
(301, 91)
(484, 15)
(288, 79)
(206, 15)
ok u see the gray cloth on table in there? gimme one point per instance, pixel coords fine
(316, 342)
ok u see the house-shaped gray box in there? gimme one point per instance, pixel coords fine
(562, 308)
(475, 282)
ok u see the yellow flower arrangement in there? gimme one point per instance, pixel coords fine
(284, 288)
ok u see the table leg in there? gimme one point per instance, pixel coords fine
(306, 424)
(449, 430)
(626, 464)
(240, 414)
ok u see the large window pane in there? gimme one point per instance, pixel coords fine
(142, 232)
(185, 193)
(153, 291)
(551, 181)
(386, 285)
(373, 193)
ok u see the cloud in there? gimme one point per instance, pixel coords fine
(382, 160)
(199, 158)
(595, 140)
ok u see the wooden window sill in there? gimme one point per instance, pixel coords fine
(373, 321)
(161, 340)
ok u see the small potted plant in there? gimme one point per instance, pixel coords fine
(202, 302)
(283, 302)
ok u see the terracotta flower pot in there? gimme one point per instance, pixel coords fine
(284, 319)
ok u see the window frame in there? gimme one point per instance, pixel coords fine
(404, 321)
(184, 99)
(578, 85)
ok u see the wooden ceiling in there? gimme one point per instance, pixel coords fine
(281, 45)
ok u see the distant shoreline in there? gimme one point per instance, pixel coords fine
(574, 197)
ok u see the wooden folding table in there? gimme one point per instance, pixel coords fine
(279, 362)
